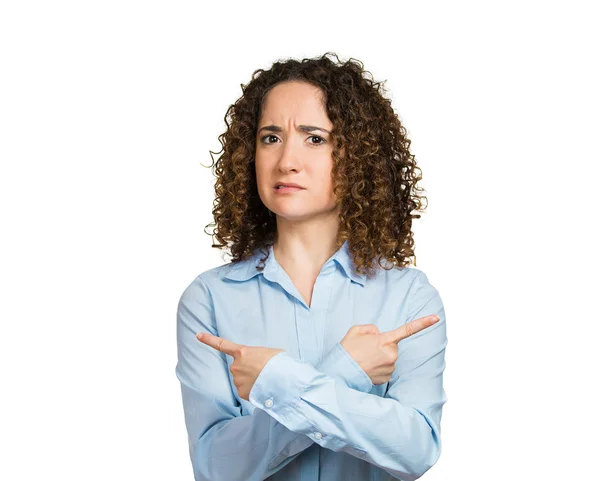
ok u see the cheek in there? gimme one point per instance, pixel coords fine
(325, 182)
(261, 174)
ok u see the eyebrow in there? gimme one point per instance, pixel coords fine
(304, 128)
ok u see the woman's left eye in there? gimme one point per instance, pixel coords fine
(317, 137)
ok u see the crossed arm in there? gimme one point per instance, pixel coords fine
(294, 401)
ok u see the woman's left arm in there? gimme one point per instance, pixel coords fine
(400, 432)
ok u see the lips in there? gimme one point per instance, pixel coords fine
(292, 185)
(283, 189)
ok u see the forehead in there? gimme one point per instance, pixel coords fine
(294, 100)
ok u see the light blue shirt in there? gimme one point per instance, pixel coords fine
(313, 413)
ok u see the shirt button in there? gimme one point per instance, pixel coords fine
(318, 435)
(269, 403)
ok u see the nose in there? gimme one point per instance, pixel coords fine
(290, 156)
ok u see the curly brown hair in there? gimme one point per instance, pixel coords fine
(374, 174)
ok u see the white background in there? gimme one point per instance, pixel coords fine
(108, 111)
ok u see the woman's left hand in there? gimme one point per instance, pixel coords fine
(248, 361)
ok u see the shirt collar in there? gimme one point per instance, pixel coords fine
(246, 269)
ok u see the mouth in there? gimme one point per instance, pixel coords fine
(286, 188)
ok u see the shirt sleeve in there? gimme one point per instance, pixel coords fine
(399, 432)
(339, 364)
(223, 444)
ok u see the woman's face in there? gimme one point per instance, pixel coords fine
(291, 148)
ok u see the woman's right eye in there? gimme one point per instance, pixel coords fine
(268, 137)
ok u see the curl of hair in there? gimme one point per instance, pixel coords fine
(375, 177)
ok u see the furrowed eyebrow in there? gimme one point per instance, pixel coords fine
(303, 128)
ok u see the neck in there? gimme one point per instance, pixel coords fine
(305, 246)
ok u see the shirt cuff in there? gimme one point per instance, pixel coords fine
(338, 363)
(277, 391)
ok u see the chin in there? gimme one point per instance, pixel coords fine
(293, 216)
(297, 215)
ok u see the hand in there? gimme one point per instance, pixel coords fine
(376, 353)
(248, 362)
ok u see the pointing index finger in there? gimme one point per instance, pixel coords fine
(410, 328)
(218, 343)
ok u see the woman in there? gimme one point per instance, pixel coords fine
(315, 195)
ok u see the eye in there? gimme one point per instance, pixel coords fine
(267, 137)
(322, 140)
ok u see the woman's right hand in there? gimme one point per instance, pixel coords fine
(376, 352)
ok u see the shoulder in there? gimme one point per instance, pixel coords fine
(419, 279)
(422, 296)
(219, 285)
(207, 281)
(412, 285)
(406, 277)
(197, 302)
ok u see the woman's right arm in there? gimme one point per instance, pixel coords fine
(223, 444)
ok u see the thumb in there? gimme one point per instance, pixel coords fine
(368, 329)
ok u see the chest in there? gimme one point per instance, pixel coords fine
(305, 285)
(270, 314)
(304, 315)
